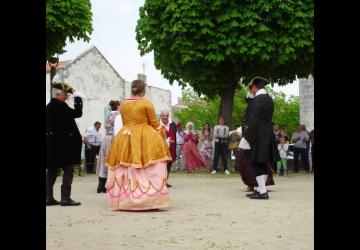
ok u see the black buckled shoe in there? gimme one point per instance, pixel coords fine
(69, 202)
(52, 202)
(65, 197)
(259, 196)
(252, 194)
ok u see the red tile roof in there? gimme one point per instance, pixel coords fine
(61, 65)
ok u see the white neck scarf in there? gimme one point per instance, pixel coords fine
(261, 92)
(166, 126)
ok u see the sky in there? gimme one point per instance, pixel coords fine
(114, 23)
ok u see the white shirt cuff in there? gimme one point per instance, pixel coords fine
(244, 144)
(78, 94)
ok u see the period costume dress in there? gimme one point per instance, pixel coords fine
(246, 170)
(234, 141)
(101, 169)
(137, 159)
(206, 149)
(193, 159)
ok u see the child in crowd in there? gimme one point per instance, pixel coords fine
(283, 149)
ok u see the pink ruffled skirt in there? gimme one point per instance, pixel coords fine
(131, 188)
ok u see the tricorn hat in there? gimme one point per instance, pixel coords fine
(63, 86)
(259, 81)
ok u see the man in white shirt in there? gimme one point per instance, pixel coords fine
(221, 135)
(92, 140)
(300, 138)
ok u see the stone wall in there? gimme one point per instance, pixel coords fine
(306, 96)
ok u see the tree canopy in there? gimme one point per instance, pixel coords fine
(218, 46)
(66, 19)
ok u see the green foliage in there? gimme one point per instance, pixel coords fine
(210, 45)
(286, 112)
(204, 110)
(66, 19)
(201, 109)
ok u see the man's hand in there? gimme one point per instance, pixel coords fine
(172, 141)
(88, 146)
(295, 140)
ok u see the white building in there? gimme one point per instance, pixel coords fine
(93, 75)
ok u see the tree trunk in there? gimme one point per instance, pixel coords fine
(226, 104)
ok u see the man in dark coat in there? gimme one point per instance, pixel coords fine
(63, 142)
(246, 169)
(259, 135)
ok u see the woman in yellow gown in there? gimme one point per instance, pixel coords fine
(137, 157)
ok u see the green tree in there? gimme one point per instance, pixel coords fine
(66, 19)
(200, 110)
(287, 110)
(218, 46)
(203, 110)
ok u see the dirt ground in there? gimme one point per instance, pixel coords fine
(207, 212)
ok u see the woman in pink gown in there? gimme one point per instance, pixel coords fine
(193, 159)
(206, 149)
